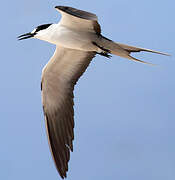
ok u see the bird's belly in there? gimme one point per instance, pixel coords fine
(74, 40)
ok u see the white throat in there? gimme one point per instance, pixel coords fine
(63, 36)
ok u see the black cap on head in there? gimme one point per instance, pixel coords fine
(33, 33)
(41, 27)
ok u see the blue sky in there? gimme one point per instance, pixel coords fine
(124, 111)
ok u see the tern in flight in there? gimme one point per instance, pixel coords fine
(78, 39)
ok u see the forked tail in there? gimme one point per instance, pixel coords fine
(123, 50)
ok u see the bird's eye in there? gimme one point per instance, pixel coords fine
(42, 27)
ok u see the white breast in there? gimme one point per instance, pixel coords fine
(68, 38)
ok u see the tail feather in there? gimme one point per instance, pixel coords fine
(124, 50)
(138, 49)
(138, 60)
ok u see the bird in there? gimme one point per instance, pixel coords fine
(78, 40)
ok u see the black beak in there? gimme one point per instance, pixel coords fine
(25, 36)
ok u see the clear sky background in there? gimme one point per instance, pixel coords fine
(124, 111)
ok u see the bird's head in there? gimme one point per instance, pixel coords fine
(36, 33)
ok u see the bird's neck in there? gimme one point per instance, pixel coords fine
(48, 34)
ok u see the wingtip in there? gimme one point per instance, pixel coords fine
(167, 54)
(57, 7)
(62, 8)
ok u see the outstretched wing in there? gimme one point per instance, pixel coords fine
(58, 79)
(78, 19)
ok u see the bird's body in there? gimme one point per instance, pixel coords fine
(68, 38)
(78, 39)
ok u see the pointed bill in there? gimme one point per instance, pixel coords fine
(25, 36)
